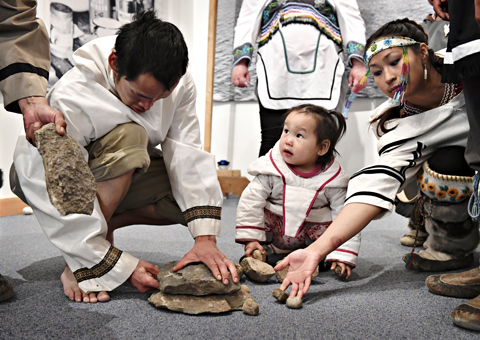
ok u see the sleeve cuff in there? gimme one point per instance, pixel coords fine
(243, 52)
(205, 220)
(115, 268)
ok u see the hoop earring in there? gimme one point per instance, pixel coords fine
(425, 72)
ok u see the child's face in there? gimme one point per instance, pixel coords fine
(386, 67)
(142, 93)
(298, 144)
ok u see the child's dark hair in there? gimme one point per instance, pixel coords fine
(402, 28)
(331, 126)
(150, 45)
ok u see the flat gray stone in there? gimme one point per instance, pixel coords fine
(190, 304)
(194, 279)
(70, 183)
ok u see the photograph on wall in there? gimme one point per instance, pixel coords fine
(73, 23)
(374, 14)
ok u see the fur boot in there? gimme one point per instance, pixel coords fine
(452, 238)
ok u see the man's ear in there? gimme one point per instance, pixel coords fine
(324, 146)
(112, 60)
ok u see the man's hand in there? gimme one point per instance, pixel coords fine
(302, 264)
(144, 277)
(240, 74)
(37, 113)
(441, 8)
(205, 250)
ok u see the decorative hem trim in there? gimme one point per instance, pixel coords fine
(206, 211)
(108, 262)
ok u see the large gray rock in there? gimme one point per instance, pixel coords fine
(70, 183)
(190, 304)
(257, 270)
(194, 279)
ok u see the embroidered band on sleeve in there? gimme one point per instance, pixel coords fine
(242, 52)
(356, 49)
(206, 211)
(106, 264)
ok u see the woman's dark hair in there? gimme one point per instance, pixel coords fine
(402, 28)
(331, 126)
(150, 45)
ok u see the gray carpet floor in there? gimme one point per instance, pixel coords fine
(382, 300)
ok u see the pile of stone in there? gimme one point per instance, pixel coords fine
(194, 290)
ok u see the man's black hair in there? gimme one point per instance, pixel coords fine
(150, 45)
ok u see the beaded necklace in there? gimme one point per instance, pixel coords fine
(449, 93)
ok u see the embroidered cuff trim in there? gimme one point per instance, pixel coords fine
(108, 262)
(245, 51)
(206, 211)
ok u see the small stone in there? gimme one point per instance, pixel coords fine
(237, 299)
(281, 274)
(257, 254)
(250, 307)
(240, 271)
(294, 302)
(70, 183)
(257, 270)
(280, 295)
(338, 271)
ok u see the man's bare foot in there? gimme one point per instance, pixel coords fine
(74, 293)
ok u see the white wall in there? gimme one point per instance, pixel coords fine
(235, 126)
(236, 135)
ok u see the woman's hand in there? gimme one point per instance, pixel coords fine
(302, 264)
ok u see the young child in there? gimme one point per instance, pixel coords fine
(298, 189)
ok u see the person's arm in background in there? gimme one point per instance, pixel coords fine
(24, 65)
(352, 28)
(247, 31)
(441, 8)
(477, 12)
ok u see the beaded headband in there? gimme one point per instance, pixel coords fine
(376, 47)
(385, 43)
